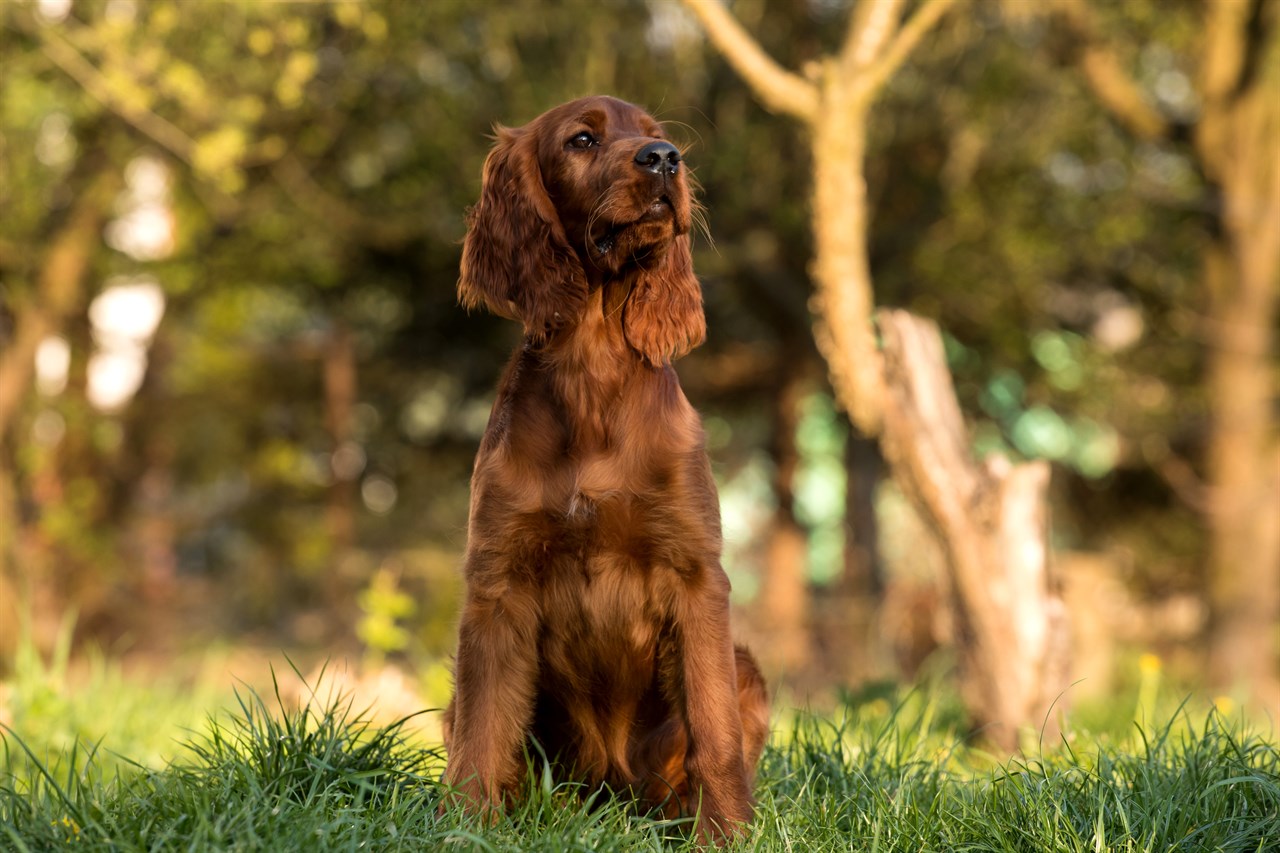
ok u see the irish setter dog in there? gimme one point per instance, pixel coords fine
(595, 628)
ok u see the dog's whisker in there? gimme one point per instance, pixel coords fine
(685, 125)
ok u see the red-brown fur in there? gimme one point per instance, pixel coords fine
(596, 620)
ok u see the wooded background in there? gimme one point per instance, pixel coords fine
(1033, 247)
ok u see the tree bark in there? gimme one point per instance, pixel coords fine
(10, 589)
(1240, 144)
(339, 367)
(155, 533)
(841, 270)
(992, 522)
(340, 376)
(845, 616)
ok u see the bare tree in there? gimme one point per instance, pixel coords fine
(990, 518)
(57, 289)
(1235, 141)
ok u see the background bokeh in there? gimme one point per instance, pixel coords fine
(239, 405)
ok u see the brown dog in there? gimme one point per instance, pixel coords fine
(596, 620)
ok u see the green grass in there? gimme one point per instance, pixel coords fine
(884, 776)
(56, 706)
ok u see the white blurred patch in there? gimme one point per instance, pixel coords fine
(670, 26)
(48, 428)
(1118, 327)
(125, 317)
(53, 360)
(128, 310)
(121, 11)
(144, 228)
(347, 461)
(55, 144)
(379, 494)
(53, 11)
(114, 377)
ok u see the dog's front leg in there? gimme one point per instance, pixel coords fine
(709, 693)
(494, 681)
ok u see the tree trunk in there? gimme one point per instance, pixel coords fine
(59, 291)
(846, 616)
(992, 522)
(339, 402)
(1237, 145)
(1242, 273)
(862, 575)
(1237, 140)
(784, 590)
(841, 271)
(993, 526)
(11, 594)
(347, 463)
(156, 531)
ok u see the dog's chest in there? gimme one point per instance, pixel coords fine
(609, 619)
(599, 485)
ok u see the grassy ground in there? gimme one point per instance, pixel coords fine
(888, 774)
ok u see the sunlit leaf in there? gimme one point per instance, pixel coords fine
(375, 27)
(219, 150)
(1003, 394)
(1041, 432)
(261, 41)
(1095, 448)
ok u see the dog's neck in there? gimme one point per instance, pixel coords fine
(594, 343)
(590, 364)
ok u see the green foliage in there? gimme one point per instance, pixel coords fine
(1062, 256)
(820, 484)
(54, 707)
(383, 604)
(321, 156)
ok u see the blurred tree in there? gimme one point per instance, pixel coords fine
(305, 395)
(57, 193)
(1228, 123)
(105, 86)
(991, 519)
(312, 395)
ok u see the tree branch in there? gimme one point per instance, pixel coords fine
(871, 25)
(65, 55)
(779, 90)
(906, 40)
(1263, 22)
(1225, 50)
(1115, 90)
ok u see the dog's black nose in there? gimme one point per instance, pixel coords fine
(659, 157)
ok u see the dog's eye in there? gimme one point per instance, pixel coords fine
(583, 140)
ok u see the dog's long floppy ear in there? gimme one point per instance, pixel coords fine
(663, 316)
(515, 258)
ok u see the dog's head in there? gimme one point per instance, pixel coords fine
(588, 191)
